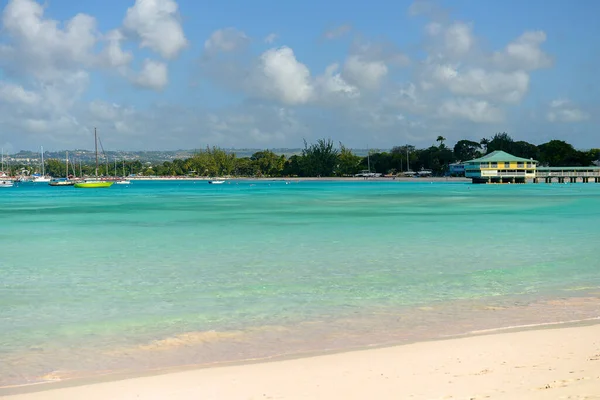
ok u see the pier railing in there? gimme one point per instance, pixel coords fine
(567, 174)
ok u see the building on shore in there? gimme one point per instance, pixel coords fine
(501, 167)
(456, 169)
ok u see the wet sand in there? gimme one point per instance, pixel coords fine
(559, 363)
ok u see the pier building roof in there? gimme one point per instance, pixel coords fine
(500, 156)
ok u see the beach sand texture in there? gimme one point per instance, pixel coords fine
(562, 363)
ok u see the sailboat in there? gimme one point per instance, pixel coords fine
(94, 183)
(124, 180)
(5, 182)
(61, 181)
(43, 177)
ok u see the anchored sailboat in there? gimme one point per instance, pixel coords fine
(42, 178)
(66, 181)
(94, 183)
(5, 181)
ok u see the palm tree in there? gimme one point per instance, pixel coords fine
(484, 142)
(440, 139)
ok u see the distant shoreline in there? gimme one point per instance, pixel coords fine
(324, 179)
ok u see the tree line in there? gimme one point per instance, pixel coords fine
(326, 159)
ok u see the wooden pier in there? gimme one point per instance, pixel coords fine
(567, 175)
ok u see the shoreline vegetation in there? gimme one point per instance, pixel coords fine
(545, 361)
(322, 159)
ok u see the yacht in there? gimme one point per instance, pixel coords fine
(42, 178)
(5, 180)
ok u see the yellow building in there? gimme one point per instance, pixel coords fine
(500, 167)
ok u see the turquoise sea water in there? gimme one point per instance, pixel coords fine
(160, 274)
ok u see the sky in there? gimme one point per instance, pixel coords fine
(167, 74)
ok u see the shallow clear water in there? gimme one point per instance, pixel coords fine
(95, 280)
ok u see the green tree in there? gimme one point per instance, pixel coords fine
(348, 162)
(500, 141)
(319, 159)
(485, 142)
(268, 163)
(293, 166)
(441, 140)
(557, 153)
(465, 150)
(244, 167)
(55, 168)
(525, 150)
(402, 154)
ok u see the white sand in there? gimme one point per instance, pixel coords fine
(544, 364)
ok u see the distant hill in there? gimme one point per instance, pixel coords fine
(86, 156)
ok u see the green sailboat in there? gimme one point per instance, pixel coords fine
(94, 183)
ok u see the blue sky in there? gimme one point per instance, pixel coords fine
(166, 74)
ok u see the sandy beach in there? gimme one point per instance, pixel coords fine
(557, 363)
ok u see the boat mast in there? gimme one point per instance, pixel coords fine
(67, 170)
(96, 148)
(368, 159)
(407, 160)
(43, 166)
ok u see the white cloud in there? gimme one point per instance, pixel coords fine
(331, 83)
(374, 89)
(364, 74)
(470, 109)
(12, 93)
(337, 32)
(153, 75)
(271, 38)
(156, 24)
(458, 39)
(113, 55)
(509, 87)
(226, 40)
(38, 45)
(563, 110)
(280, 76)
(524, 53)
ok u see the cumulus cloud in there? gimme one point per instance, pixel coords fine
(524, 53)
(333, 87)
(37, 45)
(376, 88)
(11, 93)
(153, 75)
(563, 110)
(473, 110)
(113, 55)
(280, 76)
(337, 32)
(156, 24)
(364, 74)
(458, 39)
(270, 38)
(226, 40)
(509, 87)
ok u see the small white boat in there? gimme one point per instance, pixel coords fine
(123, 182)
(41, 179)
(215, 182)
(61, 182)
(5, 180)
